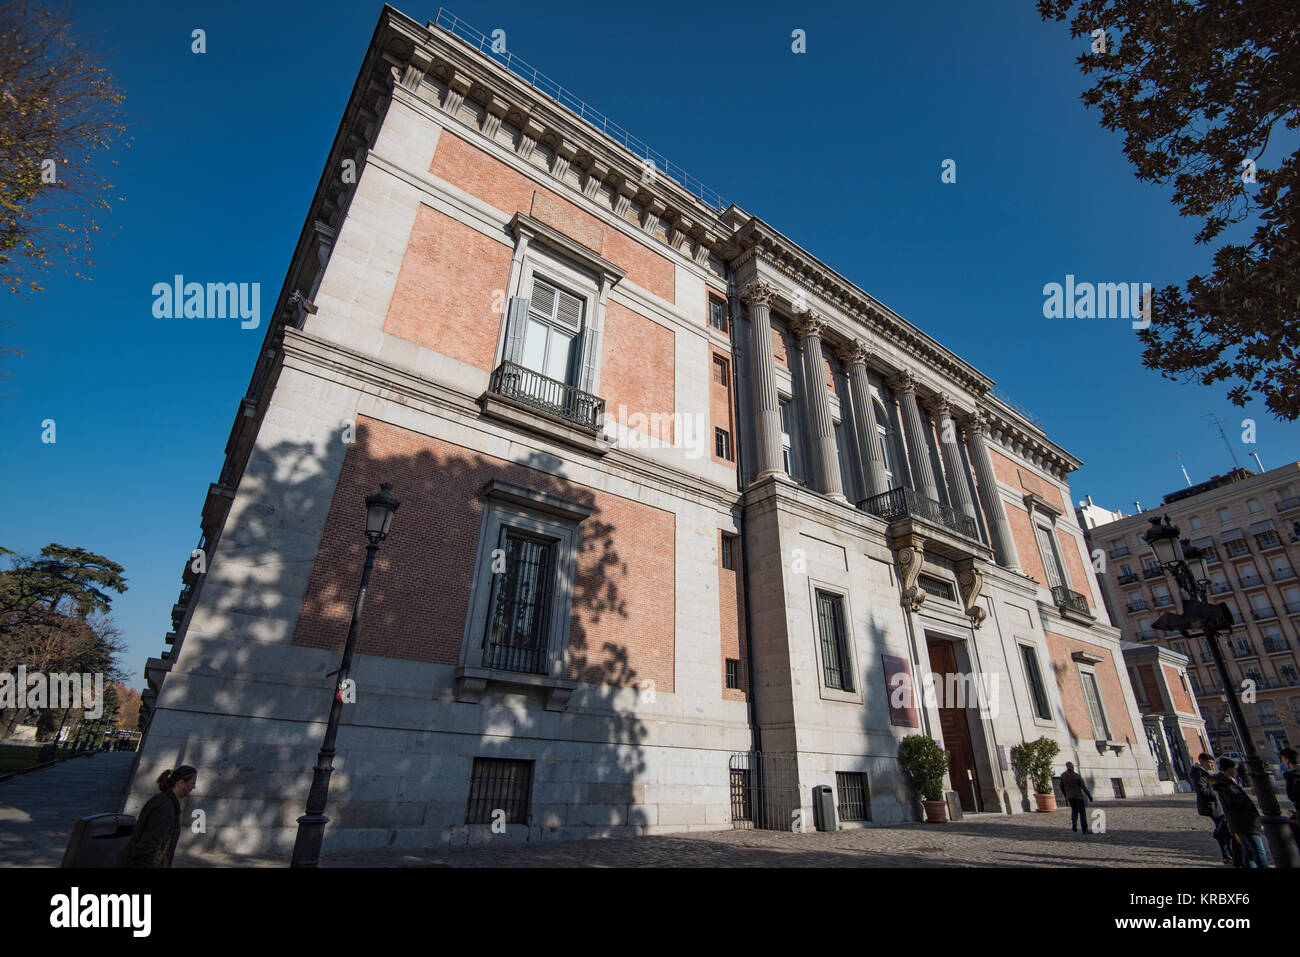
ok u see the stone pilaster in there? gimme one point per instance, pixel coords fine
(809, 327)
(918, 452)
(757, 297)
(958, 491)
(872, 463)
(1004, 546)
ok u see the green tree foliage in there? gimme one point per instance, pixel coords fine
(1199, 90)
(58, 109)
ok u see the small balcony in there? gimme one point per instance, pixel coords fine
(1288, 503)
(1127, 578)
(1251, 581)
(550, 396)
(1244, 649)
(1274, 645)
(1163, 601)
(1236, 548)
(1153, 571)
(1146, 636)
(902, 503)
(1066, 599)
(1283, 574)
(1292, 607)
(1263, 614)
(1219, 588)
(1119, 551)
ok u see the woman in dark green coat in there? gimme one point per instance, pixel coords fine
(153, 842)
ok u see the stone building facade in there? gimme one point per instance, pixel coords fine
(1250, 525)
(684, 512)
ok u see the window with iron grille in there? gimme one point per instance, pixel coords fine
(720, 371)
(718, 315)
(835, 649)
(855, 798)
(728, 548)
(937, 587)
(517, 637)
(1036, 688)
(733, 672)
(722, 444)
(497, 784)
(1117, 785)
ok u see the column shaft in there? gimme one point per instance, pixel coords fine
(872, 464)
(757, 296)
(917, 449)
(1004, 546)
(958, 492)
(826, 463)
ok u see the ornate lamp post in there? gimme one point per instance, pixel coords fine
(1187, 564)
(311, 826)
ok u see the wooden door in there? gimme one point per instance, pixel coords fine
(954, 725)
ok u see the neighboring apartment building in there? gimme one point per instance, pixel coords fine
(681, 510)
(1250, 524)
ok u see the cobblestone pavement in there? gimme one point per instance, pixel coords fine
(1144, 832)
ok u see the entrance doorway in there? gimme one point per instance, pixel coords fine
(954, 723)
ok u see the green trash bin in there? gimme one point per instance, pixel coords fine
(98, 840)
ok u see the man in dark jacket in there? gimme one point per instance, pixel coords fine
(1074, 789)
(1207, 804)
(1241, 814)
(1291, 774)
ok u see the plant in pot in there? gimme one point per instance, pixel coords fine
(926, 763)
(1044, 753)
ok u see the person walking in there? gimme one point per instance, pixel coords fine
(1074, 788)
(1207, 804)
(153, 841)
(1240, 814)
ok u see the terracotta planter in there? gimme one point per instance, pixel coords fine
(936, 812)
(1046, 802)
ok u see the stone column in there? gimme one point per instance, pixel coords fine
(808, 327)
(854, 356)
(958, 491)
(1004, 546)
(757, 297)
(918, 452)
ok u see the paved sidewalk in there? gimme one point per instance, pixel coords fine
(1142, 832)
(38, 810)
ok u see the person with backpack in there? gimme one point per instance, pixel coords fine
(1240, 814)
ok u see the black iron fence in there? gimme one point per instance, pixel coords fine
(900, 503)
(1067, 598)
(764, 790)
(513, 381)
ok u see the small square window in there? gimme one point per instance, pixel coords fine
(728, 549)
(718, 315)
(1225, 515)
(722, 444)
(497, 784)
(733, 672)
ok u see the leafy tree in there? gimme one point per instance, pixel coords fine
(1199, 90)
(128, 711)
(58, 108)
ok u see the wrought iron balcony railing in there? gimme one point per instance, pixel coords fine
(1262, 614)
(1066, 598)
(1274, 645)
(1153, 571)
(513, 381)
(1127, 578)
(901, 503)
(1288, 503)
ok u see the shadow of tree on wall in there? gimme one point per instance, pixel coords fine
(395, 769)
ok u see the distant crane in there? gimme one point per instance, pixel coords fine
(1231, 452)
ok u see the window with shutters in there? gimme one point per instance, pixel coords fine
(1092, 697)
(551, 331)
(1053, 566)
(1034, 676)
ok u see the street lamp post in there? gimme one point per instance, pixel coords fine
(311, 825)
(1188, 565)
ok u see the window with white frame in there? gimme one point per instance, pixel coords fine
(787, 436)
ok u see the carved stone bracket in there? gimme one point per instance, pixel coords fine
(911, 556)
(971, 581)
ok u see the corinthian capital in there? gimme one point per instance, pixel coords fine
(976, 422)
(807, 325)
(855, 351)
(757, 293)
(903, 383)
(940, 406)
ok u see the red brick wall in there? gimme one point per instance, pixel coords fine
(732, 621)
(1022, 532)
(637, 369)
(720, 406)
(622, 629)
(1150, 687)
(779, 350)
(1177, 693)
(444, 292)
(1012, 474)
(1071, 688)
(477, 173)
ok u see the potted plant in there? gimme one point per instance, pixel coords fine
(1022, 756)
(926, 763)
(1044, 752)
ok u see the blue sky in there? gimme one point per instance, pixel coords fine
(840, 148)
